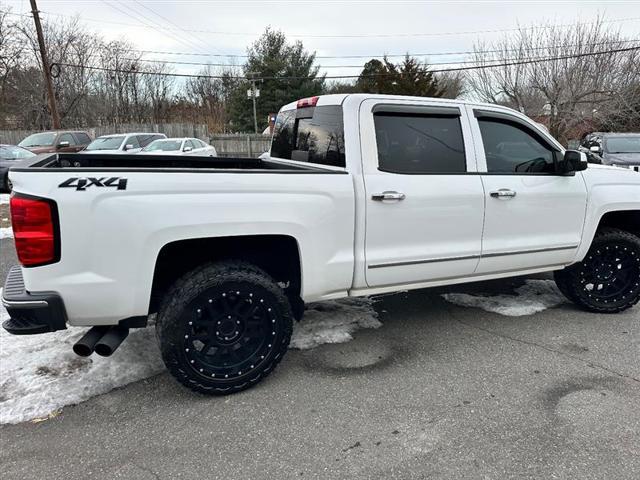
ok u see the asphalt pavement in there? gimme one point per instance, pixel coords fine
(439, 391)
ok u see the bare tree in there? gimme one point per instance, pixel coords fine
(452, 84)
(210, 96)
(578, 84)
(11, 52)
(159, 89)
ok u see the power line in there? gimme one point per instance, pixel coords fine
(170, 22)
(364, 35)
(457, 62)
(457, 69)
(394, 55)
(389, 55)
(155, 28)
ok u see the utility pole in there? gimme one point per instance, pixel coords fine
(254, 93)
(55, 118)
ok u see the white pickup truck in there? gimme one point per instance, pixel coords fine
(361, 194)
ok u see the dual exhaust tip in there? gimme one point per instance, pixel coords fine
(103, 340)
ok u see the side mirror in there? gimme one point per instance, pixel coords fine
(64, 144)
(594, 149)
(128, 146)
(573, 161)
(187, 149)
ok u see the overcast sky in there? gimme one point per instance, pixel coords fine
(365, 28)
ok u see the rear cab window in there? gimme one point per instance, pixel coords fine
(310, 134)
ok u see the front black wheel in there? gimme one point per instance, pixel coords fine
(224, 327)
(608, 279)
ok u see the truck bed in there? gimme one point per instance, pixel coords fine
(159, 163)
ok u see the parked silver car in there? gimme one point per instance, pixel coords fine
(122, 142)
(10, 156)
(180, 146)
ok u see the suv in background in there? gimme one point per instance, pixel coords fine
(56, 141)
(617, 149)
(122, 142)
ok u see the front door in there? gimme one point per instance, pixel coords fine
(424, 200)
(534, 216)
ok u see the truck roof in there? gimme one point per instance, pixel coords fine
(339, 99)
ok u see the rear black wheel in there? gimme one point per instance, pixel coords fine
(224, 327)
(608, 279)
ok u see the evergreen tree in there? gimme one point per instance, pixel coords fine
(409, 77)
(274, 60)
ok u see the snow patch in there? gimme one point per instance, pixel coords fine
(4, 198)
(6, 232)
(333, 322)
(532, 297)
(40, 374)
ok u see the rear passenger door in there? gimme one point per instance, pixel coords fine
(534, 215)
(424, 200)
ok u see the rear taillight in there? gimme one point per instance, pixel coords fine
(307, 102)
(35, 230)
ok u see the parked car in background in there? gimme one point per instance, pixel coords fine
(56, 141)
(618, 149)
(180, 146)
(9, 156)
(122, 142)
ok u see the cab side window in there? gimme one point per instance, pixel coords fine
(511, 148)
(411, 143)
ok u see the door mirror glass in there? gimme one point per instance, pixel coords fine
(573, 161)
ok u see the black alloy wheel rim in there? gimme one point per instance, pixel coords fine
(611, 273)
(230, 331)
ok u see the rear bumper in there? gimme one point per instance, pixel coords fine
(31, 313)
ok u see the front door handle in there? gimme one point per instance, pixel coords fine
(503, 193)
(388, 196)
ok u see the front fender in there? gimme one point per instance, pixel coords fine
(610, 190)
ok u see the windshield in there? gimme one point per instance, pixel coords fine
(14, 153)
(38, 140)
(626, 144)
(105, 143)
(164, 146)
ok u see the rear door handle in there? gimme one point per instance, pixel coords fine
(389, 195)
(503, 193)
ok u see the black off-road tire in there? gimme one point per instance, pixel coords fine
(223, 327)
(608, 279)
